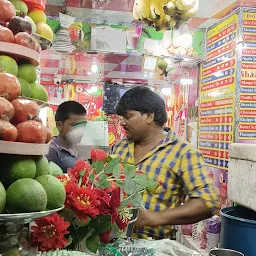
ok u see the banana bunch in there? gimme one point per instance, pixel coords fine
(165, 14)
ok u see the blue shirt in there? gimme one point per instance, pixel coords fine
(61, 154)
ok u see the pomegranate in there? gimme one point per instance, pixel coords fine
(8, 132)
(24, 110)
(6, 109)
(6, 35)
(9, 86)
(25, 39)
(32, 132)
(7, 11)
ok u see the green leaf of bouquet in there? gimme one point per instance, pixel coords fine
(67, 214)
(70, 240)
(112, 165)
(117, 172)
(91, 177)
(129, 170)
(92, 243)
(136, 200)
(99, 166)
(141, 179)
(101, 224)
(129, 186)
(110, 157)
(103, 181)
(152, 183)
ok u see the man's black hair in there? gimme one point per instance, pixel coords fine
(69, 107)
(144, 100)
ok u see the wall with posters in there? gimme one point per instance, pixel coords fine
(247, 120)
(217, 100)
(228, 93)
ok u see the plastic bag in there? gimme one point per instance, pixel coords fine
(164, 247)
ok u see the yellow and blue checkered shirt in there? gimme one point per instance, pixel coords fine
(182, 171)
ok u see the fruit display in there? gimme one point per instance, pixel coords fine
(26, 185)
(21, 25)
(29, 188)
(19, 121)
(165, 14)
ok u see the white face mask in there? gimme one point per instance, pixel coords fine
(75, 135)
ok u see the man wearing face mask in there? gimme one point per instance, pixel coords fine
(70, 120)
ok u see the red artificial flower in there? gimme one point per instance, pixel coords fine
(80, 167)
(122, 224)
(98, 155)
(49, 234)
(83, 202)
(105, 238)
(124, 216)
(109, 203)
(64, 179)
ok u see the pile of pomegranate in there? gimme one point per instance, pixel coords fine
(19, 121)
(15, 29)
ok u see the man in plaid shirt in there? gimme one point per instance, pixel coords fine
(164, 157)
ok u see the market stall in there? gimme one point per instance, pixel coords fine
(199, 60)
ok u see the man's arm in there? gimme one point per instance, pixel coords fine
(203, 198)
(192, 211)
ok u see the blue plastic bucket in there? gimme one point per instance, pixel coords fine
(238, 230)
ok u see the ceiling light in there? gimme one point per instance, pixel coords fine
(186, 81)
(166, 91)
(94, 68)
(93, 89)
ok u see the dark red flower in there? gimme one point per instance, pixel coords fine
(83, 202)
(98, 155)
(109, 203)
(122, 224)
(49, 234)
(105, 238)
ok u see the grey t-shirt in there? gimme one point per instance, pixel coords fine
(60, 154)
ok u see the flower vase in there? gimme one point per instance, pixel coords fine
(10, 237)
(83, 248)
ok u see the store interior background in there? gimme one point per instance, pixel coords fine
(97, 77)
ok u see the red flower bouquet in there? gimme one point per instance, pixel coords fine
(99, 198)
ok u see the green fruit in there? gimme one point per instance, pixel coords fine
(32, 24)
(92, 243)
(55, 190)
(54, 169)
(39, 92)
(28, 72)
(9, 65)
(26, 195)
(42, 166)
(2, 197)
(162, 64)
(25, 88)
(21, 167)
(20, 6)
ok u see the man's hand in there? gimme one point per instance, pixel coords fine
(191, 212)
(143, 219)
(146, 218)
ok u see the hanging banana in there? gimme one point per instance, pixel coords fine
(164, 14)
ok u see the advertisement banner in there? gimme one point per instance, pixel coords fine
(247, 118)
(217, 94)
